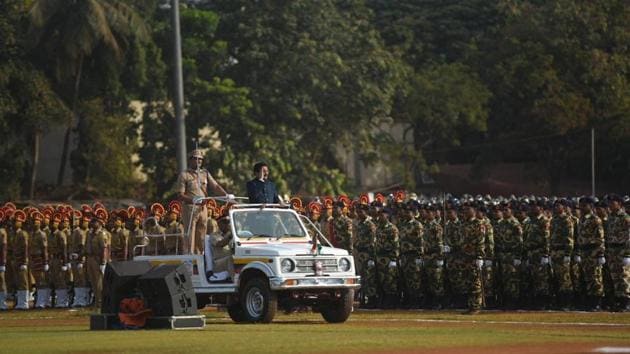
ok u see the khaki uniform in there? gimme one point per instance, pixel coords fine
(174, 241)
(193, 183)
(155, 233)
(97, 247)
(77, 247)
(58, 250)
(221, 253)
(136, 237)
(21, 242)
(38, 252)
(4, 243)
(120, 244)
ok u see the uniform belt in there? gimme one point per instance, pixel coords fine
(616, 244)
(588, 247)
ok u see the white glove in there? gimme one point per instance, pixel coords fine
(46, 267)
(516, 262)
(230, 196)
(577, 259)
(392, 264)
(479, 263)
(487, 263)
(102, 266)
(197, 200)
(64, 268)
(439, 263)
(566, 259)
(418, 261)
(79, 265)
(23, 267)
(601, 260)
(370, 263)
(446, 249)
(68, 266)
(544, 260)
(625, 262)
(4, 269)
(74, 256)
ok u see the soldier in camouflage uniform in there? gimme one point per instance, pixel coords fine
(342, 227)
(488, 266)
(508, 251)
(411, 254)
(454, 266)
(618, 252)
(472, 255)
(536, 249)
(433, 259)
(39, 266)
(591, 251)
(365, 251)
(562, 241)
(387, 252)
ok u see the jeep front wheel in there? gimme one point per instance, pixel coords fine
(258, 302)
(339, 310)
(236, 313)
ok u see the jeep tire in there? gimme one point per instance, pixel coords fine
(258, 302)
(339, 310)
(236, 313)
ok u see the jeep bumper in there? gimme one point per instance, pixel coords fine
(282, 283)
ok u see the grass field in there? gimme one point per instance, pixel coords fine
(53, 331)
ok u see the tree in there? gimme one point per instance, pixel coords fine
(318, 78)
(68, 34)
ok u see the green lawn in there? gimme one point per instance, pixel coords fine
(54, 331)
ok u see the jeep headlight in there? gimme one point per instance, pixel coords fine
(344, 264)
(287, 265)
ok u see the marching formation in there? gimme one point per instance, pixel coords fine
(483, 252)
(411, 252)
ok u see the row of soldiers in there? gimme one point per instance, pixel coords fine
(59, 253)
(512, 253)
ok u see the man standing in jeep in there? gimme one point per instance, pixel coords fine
(261, 190)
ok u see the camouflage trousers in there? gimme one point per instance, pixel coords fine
(488, 278)
(3, 283)
(473, 282)
(434, 276)
(619, 273)
(412, 275)
(456, 275)
(388, 275)
(507, 277)
(592, 277)
(561, 272)
(369, 282)
(538, 276)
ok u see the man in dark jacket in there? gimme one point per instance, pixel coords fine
(261, 190)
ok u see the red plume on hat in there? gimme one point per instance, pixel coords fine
(19, 215)
(399, 197)
(138, 214)
(87, 210)
(211, 203)
(315, 207)
(345, 200)
(296, 203)
(175, 206)
(10, 206)
(101, 215)
(364, 199)
(157, 209)
(379, 198)
(328, 202)
(123, 214)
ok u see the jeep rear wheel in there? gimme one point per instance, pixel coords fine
(258, 302)
(339, 310)
(236, 313)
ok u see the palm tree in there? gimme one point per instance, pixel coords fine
(69, 32)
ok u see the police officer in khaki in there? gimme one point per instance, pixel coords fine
(77, 257)
(97, 250)
(192, 186)
(3, 262)
(21, 240)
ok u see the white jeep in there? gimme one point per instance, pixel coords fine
(276, 266)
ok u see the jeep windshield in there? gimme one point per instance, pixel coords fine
(267, 223)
